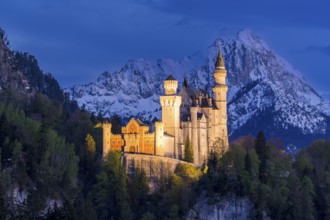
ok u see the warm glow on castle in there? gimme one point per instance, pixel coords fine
(188, 114)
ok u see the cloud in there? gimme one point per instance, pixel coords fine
(325, 50)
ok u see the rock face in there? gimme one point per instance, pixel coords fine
(265, 92)
(226, 208)
(10, 76)
(20, 72)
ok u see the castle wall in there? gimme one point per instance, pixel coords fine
(186, 131)
(171, 118)
(202, 141)
(159, 136)
(209, 120)
(116, 142)
(111, 141)
(194, 134)
(149, 144)
(154, 166)
(215, 124)
(132, 143)
(106, 137)
(168, 143)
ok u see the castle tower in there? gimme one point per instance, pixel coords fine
(106, 126)
(194, 133)
(170, 103)
(220, 97)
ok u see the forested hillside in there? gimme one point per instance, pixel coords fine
(43, 143)
(51, 164)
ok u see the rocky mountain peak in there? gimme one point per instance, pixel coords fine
(250, 39)
(265, 91)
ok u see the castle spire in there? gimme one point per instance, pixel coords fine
(185, 81)
(219, 61)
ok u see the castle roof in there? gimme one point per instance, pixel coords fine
(185, 117)
(187, 93)
(170, 77)
(219, 62)
(185, 81)
(199, 115)
(139, 122)
(155, 119)
(205, 103)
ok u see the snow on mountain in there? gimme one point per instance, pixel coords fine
(262, 85)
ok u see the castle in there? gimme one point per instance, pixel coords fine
(188, 114)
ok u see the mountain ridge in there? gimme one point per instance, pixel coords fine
(289, 100)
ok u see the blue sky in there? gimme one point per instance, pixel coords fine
(76, 40)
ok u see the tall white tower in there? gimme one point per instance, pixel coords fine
(220, 97)
(170, 103)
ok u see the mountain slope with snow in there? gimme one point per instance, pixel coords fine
(265, 91)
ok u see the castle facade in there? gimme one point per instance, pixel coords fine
(190, 114)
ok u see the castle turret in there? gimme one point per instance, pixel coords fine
(170, 85)
(220, 97)
(106, 126)
(159, 138)
(194, 133)
(171, 110)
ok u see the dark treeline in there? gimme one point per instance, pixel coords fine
(279, 185)
(43, 149)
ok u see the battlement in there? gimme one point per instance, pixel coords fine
(106, 125)
(159, 124)
(116, 136)
(149, 135)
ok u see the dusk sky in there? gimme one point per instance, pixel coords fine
(76, 40)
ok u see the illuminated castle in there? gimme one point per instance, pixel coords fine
(188, 114)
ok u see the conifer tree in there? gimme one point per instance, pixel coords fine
(3, 207)
(139, 192)
(148, 216)
(91, 146)
(262, 149)
(110, 194)
(247, 163)
(188, 151)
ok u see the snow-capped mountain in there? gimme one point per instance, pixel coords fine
(265, 92)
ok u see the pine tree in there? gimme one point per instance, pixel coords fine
(188, 151)
(148, 216)
(247, 163)
(262, 149)
(91, 146)
(308, 193)
(3, 207)
(110, 194)
(139, 192)
(0, 160)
